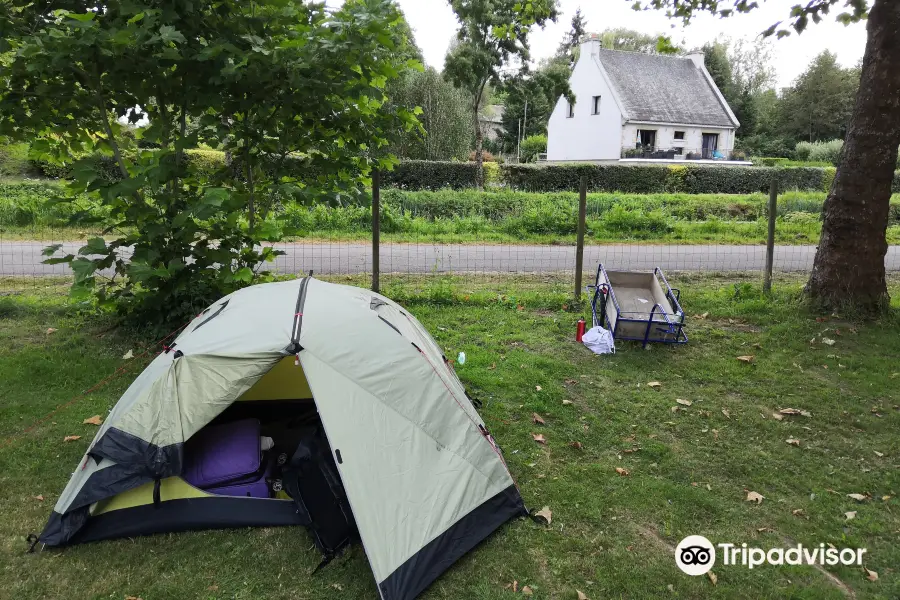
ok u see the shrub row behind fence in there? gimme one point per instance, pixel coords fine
(636, 179)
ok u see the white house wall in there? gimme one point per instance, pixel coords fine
(585, 136)
(665, 136)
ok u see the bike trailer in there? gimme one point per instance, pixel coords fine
(638, 306)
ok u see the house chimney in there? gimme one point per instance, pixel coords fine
(697, 57)
(590, 44)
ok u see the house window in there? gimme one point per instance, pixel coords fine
(595, 106)
(679, 135)
(571, 111)
(711, 145)
(647, 138)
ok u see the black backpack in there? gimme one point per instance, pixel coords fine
(311, 479)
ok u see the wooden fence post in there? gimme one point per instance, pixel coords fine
(376, 229)
(770, 239)
(579, 248)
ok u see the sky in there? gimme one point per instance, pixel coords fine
(435, 25)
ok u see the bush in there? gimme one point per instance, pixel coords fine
(828, 152)
(601, 178)
(645, 179)
(531, 147)
(208, 162)
(430, 175)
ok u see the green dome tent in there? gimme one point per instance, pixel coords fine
(424, 479)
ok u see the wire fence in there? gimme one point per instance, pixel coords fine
(486, 248)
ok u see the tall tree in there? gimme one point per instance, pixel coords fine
(568, 48)
(531, 97)
(491, 34)
(268, 81)
(445, 117)
(630, 40)
(848, 269)
(819, 104)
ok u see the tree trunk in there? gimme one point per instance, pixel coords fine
(848, 271)
(479, 152)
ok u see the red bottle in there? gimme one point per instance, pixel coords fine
(579, 332)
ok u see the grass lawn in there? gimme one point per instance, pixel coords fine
(611, 536)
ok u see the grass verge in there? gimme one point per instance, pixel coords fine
(689, 469)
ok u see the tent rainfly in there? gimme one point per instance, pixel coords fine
(423, 478)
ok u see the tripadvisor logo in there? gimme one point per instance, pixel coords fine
(696, 555)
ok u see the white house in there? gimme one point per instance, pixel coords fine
(633, 106)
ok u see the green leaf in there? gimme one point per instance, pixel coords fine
(83, 18)
(95, 245)
(51, 250)
(244, 274)
(170, 34)
(83, 268)
(59, 260)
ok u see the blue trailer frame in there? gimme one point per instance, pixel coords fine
(671, 326)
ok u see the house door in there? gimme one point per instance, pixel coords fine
(710, 144)
(648, 138)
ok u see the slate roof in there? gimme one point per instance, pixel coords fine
(667, 89)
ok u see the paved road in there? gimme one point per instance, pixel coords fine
(24, 258)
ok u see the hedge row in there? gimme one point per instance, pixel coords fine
(634, 179)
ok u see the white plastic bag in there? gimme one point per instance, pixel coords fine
(599, 340)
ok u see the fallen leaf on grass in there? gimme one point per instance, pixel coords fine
(51, 330)
(132, 598)
(677, 408)
(746, 359)
(703, 316)
(39, 498)
(795, 411)
(215, 588)
(545, 514)
(538, 388)
(798, 512)
(577, 445)
(128, 355)
(871, 575)
(878, 454)
(622, 472)
(886, 498)
(778, 416)
(828, 341)
(95, 420)
(858, 497)
(765, 529)
(567, 402)
(849, 515)
(726, 413)
(536, 419)
(336, 586)
(793, 442)
(539, 438)
(71, 438)
(713, 578)
(683, 402)
(526, 591)
(581, 595)
(654, 384)
(754, 497)
(492, 367)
